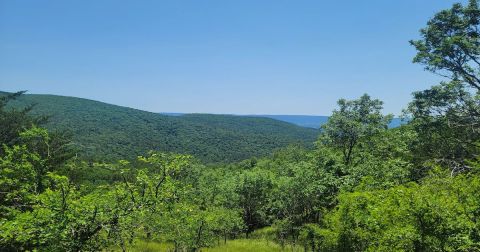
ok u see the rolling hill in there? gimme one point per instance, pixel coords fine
(105, 132)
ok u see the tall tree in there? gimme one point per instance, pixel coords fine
(447, 117)
(353, 121)
(20, 127)
(450, 44)
(14, 121)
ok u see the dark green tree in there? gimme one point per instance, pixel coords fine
(446, 119)
(353, 122)
(13, 121)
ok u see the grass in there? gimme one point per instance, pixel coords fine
(246, 245)
(146, 246)
(238, 245)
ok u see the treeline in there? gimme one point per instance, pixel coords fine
(363, 187)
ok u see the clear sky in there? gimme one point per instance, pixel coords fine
(242, 57)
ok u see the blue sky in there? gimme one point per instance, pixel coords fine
(242, 57)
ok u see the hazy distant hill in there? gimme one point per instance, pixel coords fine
(103, 130)
(316, 121)
(309, 121)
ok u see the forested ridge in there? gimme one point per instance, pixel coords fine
(105, 132)
(362, 187)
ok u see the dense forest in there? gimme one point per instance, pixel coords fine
(362, 187)
(105, 132)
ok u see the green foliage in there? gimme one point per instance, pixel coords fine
(253, 187)
(311, 237)
(63, 219)
(446, 118)
(384, 162)
(57, 217)
(17, 180)
(24, 168)
(156, 202)
(436, 215)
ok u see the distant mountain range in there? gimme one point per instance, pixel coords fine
(308, 121)
(109, 132)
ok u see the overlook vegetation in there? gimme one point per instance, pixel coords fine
(362, 187)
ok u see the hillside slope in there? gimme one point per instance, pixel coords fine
(105, 131)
